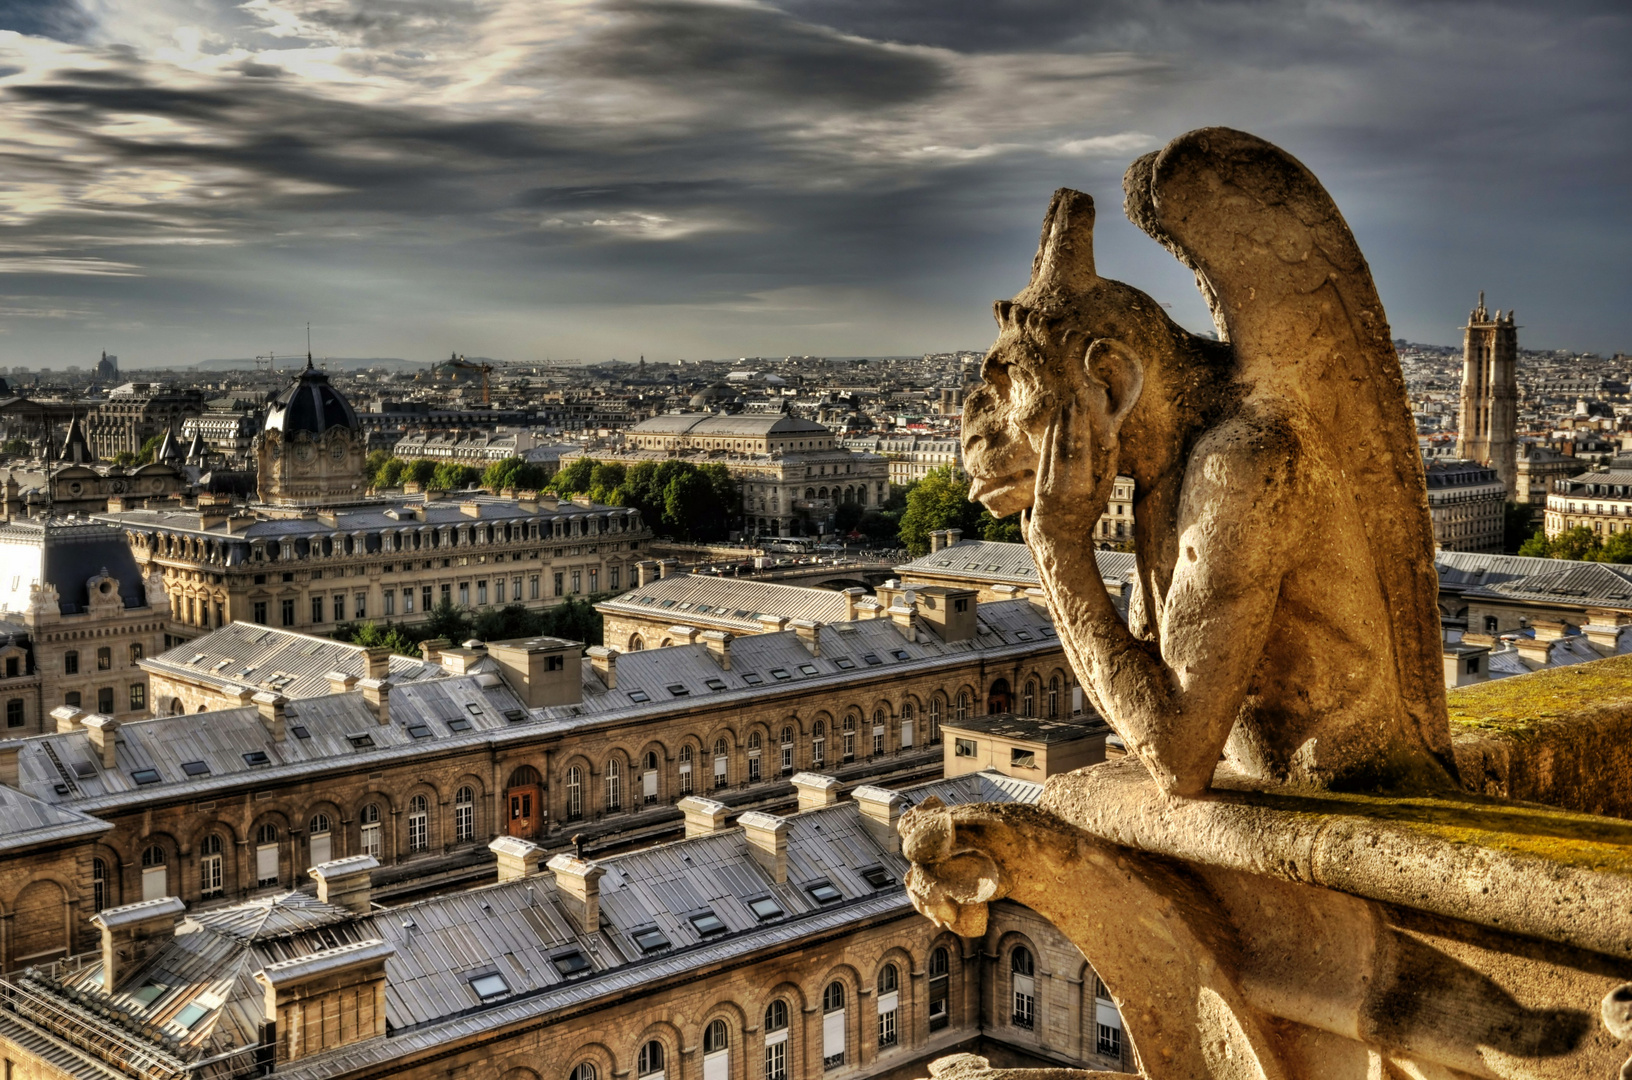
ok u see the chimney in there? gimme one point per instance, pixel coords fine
(953, 536)
(271, 706)
(880, 810)
(815, 790)
(377, 695)
(1547, 630)
(937, 540)
(665, 567)
(347, 883)
(604, 662)
(10, 774)
(904, 614)
(68, 718)
(1535, 651)
(772, 624)
(376, 663)
(719, 647)
(104, 732)
(767, 837)
(949, 612)
(542, 671)
(430, 647)
(134, 932)
(518, 858)
(1606, 639)
(1006, 592)
(810, 635)
(851, 596)
(683, 635)
(704, 817)
(578, 885)
(647, 571)
(340, 682)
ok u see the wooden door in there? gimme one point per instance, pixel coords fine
(526, 811)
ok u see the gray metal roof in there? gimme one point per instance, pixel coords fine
(991, 560)
(263, 657)
(1036, 729)
(25, 822)
(67, 555)
(721, 601)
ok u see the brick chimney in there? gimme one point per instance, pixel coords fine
(904, 614)
(815, 790)
(667, 567)
(684, 635)
(604, 662)
(104, 732)
(719, 647)
(953, 536)
(810, 635)
(134, 932)
(880, 810)
(271, 706)
(772, 624)
(347, 883)
(1536, 651)
(518, 858)
(578, 884)
(951, 613)
(646, 570)
(1607, 639)
(704, 817)
(377, 696)
(937, 540)
(340, 682)
(767, 837)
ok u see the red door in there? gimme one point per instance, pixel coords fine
(526, 811)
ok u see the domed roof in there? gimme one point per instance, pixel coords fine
(712, 393)
(310, 404)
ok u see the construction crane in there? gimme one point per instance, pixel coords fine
(459, 363)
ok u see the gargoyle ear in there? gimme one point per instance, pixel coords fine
(1065, 254)
(1119, 370)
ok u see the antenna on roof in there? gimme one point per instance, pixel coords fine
(308, 346)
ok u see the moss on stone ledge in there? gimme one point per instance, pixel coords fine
(1522, 704)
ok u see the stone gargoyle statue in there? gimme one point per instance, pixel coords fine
(1285, 610)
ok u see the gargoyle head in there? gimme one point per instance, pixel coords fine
(1070, 335)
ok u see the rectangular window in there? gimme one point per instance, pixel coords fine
(498, 590)
(720, 771)
(887, 1006)
(939, 994)
(1022, 759)
(753, 769)
(464, 594)
(776, 1053)
(266, 865)
(833, 1039)
(878, 741)
(360, 608)
(594, 579)
(425, 601)
(138, 696)
(1025, 1002)
(317, 609)
(447, 593)
(14, 713)
(612, 579)
(70, 663)
(104, 701)
(963, 748)
(407, 601)
(210, 875)
(104, 659)
(464, 820)
(560, 578)
(371, 840)
(339, 607)
(390, 599)
(288, 612)
(532, 587)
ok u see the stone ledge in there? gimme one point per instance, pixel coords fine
(1549, 874)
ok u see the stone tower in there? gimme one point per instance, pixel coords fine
(311, 451)
(1490, 395)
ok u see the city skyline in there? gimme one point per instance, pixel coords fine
(194, 180)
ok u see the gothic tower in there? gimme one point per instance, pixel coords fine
(1490, 395)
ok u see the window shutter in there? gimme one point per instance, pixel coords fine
(717, 1066)
(833, 1034)
(886, 1002)
(154, 883)
(650, 783)
(320, 848)
(1107, 1016)
(776, 1037)
(266, 862)
(1024, 985)
(906, 734)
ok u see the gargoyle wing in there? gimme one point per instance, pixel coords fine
(1291, 292)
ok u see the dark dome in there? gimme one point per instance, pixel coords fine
(310, 404)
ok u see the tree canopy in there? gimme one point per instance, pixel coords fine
(1582, 544)
(939, 501)
(513, 472)
(677, 498)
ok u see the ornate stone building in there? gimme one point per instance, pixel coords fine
(309, 452)
(78, 617)
(136, 412)
(1486, 429)
(1600, 501)
(1467, 503)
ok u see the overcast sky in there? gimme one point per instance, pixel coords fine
(183, 179)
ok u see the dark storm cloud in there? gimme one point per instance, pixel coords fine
(64, 20)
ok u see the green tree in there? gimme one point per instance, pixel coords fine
(1577, 543)
(420, 471)
(389, 473)
(447, 620)
(847, 517)
(452, 476)
(372, 635)
(498, 475)
(939, 501)
(1537, 547)
(1004, 530)
(375, 459)
(1617, 548)
(575, 478)
(1517, 524)
(149, 449)
(124, 457)
(606, 478)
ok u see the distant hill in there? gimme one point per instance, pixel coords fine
(331, 363)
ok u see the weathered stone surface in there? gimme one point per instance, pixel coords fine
(1285, 611)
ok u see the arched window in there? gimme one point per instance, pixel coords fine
(818, 744)
(155, 879)
(614, 785)
(722, 762)
(940, 989)
(833, 1025)
(575, 793)
(1023, 969)
(787, 751)
(961, 713)
(266, 856)
(464, 814)
(889, 983)
(650, 1061)
(99, 884)
(935, 714)
(756, 748)
(209, 866)
(908, 715)
(716, 1040)
(369, 828)
(1054, 697)
(776, 1041)
(1028, 699)
(584, 1071)
(849, 741)
(419, 824)
(879, 738)
(685, 769)
(651, 759)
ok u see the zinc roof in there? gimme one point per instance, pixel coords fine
(991, 560)
(263, 657)
(26, 821)
(734, 602)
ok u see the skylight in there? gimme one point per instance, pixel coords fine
(707, 923)
(570, 963)
(419, 731)
(475, 709)
(872, 660)
(515, 716)
(299, 731)
(257, 757)
(488, 987)
(808, 669)
(678, 690)
(360, 742)
(823, 891)
(84, 770)
(148, 993)
(753, 678)
(458, 723)
(196, 768)
(877, 877)
(901, 654)
(639, 695)
(714, 684)
(191, 1015)
(145, 776)
(781, 674)
(845, 663)
(650, 939)
(765, 907)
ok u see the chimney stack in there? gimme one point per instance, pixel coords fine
(684, 635)
(1535, 651)
(937, 540)
(949, 612)
(767, 837)
(772, 624)
(810, 635)
(1547, 630)
(134, 932)
(377, 695)
(376, 663)
(347, 883)
(68, 718)
(604, 662)
(104, 732)
(518, 858)
(578, 884)
(704, 817)
(340, 682)
(10, 774)
(851, 596)
(904, 614)
(880, 810)
(953, 536)
(665, 567)
(646, 569)
(1607, 639)
(271, 706)
(719, 647)
(815, 790)
(431, 647)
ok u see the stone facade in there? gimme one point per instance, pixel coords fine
(1600, 501)
(310, 452)
(136, 412)
(1467, 503)
(1487, 427)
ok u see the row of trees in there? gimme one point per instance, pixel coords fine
(1580, 543)
(675, 498)
(941, 501)
(574, 619)
(386, 471)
